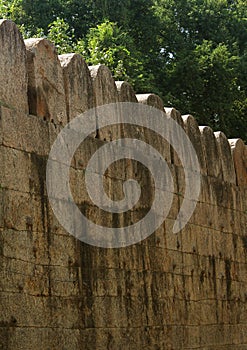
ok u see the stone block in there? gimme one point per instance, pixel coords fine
(46, 94)
(125, 92)
(151, 100)
(105, 89)
(226, 158)
(14, 169)
(17, 210)
(64, 250)
(175, 135)
(32, 338)
(24, 132)
(194, 134)
(19, 276)
(17, 244)
(222, 193)
(40, 312)
(158, 142)
(105, 92)
(13, 74)
(239, 153)
(78, 85)
(65, 281)
(211, 151)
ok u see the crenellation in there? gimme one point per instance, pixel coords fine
(151, 100)
(78, 85)
(126, 92)
(105, 92)
(239, 153)
(13, 87)
(211, 151)
(194, 134)
(105, 89)
(46, 91)
(226, 158)
(169, 291)
(175, 134)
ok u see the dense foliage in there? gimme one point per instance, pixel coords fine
(192, 53)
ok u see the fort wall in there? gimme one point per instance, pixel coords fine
(170, 291)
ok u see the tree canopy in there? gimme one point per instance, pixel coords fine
(192, 53)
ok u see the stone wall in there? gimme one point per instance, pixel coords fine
(183, 291)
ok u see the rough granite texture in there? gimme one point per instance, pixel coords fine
(184, 291)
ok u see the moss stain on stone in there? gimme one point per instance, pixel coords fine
(228, 278)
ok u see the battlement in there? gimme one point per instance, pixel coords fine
(183, 291)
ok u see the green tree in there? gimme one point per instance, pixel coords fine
(202, 60)
(110, 45)
(209, 87)
(61, 35)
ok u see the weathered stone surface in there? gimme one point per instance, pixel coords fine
(27, 133)
(169, 291)
(14, 169)
(13, 74)
(46, 95)
(125, 92)
(174, 114)
(239, 153)
(105, 92)
(151, 100)
(33, 311)
(16, 210)
(210, 147)
(192, 130)
(226, 158)
(78, 85)
(148, 135)
(18, 275)
(175, 137)
(39, 338)
(105, 89)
